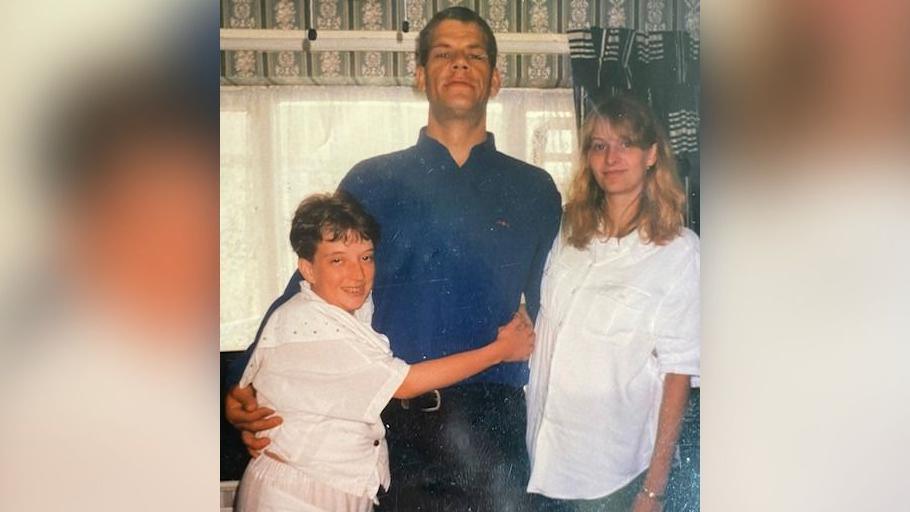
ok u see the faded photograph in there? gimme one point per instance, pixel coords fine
(108, 290)
(503, 315)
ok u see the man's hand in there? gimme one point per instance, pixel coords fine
(242, 410)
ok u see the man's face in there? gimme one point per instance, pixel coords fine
(458, 77)
(342, 271)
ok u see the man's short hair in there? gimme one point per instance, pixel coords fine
(425, 39)
(330, 217)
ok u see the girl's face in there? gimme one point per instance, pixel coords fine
(617, 165)
(342, 271)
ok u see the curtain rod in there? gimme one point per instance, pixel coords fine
(380, 40)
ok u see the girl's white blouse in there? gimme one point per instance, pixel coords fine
(328, 374)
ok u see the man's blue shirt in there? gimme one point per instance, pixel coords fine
(458, 247)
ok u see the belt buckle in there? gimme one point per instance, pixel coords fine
(436, 407)
(406, 403)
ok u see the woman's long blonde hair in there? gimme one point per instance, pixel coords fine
(659, 215)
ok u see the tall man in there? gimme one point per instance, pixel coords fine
(465, 232)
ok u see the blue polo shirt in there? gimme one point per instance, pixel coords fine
(458, 247)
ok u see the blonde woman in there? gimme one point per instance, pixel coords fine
(618, 329)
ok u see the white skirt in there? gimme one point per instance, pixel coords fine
(269, 485)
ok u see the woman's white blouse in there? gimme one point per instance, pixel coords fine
(328, 374)
(614, 318)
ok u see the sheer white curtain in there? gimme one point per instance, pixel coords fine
(280, 144)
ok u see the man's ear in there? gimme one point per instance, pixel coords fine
(306, 269)
(495, 82)
(420, 77)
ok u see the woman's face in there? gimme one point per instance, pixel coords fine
(618, 166)
(342, 271)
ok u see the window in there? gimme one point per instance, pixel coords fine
(280, 144)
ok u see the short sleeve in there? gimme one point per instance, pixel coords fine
(375, 385)
(677, 323)
(339, 378)
(249, 373)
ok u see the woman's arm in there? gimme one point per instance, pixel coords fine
(672, 408)
(514, 342)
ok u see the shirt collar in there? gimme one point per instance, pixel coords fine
(433, 148)
(307, 292)
(625, 243)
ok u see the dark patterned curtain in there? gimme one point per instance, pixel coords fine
(661, 67)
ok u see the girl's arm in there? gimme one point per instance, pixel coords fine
(514, 343)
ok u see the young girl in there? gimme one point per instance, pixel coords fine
(328, 374)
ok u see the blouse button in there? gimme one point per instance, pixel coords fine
(376, 442)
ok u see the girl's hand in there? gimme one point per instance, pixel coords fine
(515, 340)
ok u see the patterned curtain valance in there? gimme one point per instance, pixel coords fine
(249, 67)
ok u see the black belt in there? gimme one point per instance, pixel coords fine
(438, 399)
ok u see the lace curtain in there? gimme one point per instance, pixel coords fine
(280, 144)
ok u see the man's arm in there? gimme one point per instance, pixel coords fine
(242, 410)
(549, 229)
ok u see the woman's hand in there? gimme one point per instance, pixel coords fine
(515, 340)
(643, 503)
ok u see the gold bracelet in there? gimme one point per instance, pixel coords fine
(648, 493)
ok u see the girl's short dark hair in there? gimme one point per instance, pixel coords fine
(330, 217)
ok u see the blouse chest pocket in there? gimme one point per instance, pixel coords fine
(617, 313)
